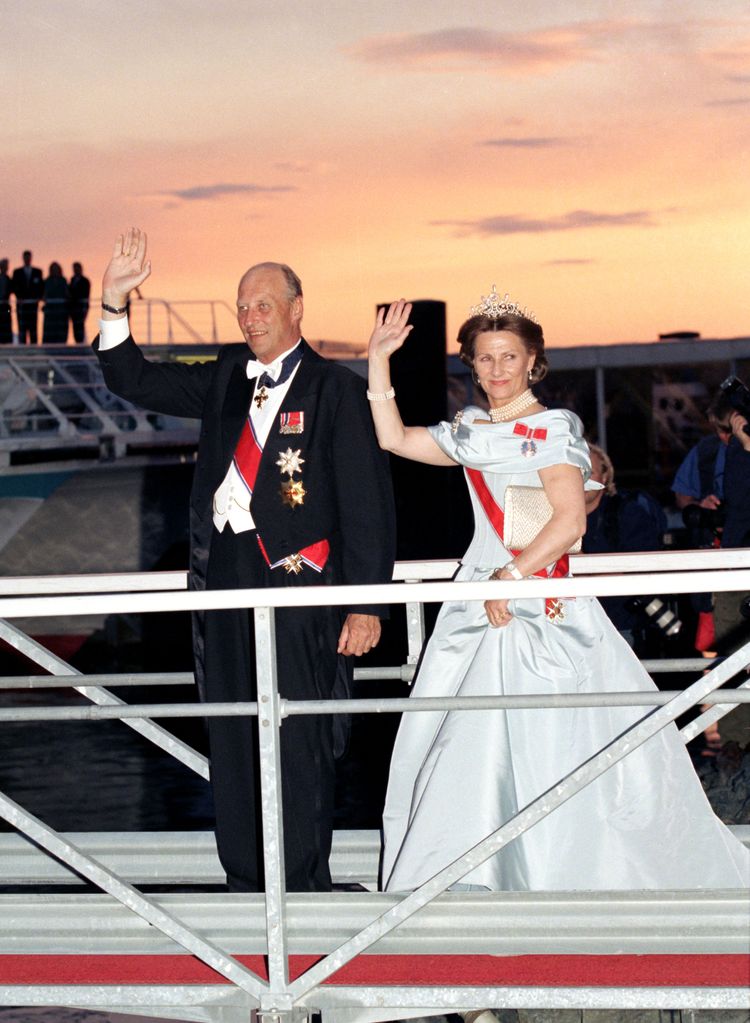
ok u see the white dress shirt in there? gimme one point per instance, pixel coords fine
(231, 500)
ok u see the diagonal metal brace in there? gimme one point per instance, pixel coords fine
(130, 897)
(18, 639)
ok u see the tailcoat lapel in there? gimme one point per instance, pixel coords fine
(235, 409)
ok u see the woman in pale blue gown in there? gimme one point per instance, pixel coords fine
(458, 776)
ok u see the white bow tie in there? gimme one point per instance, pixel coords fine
(256, 369)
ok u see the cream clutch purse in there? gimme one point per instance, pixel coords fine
(527, 510)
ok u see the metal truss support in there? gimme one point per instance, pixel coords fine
(56, 666)
(710, 716)
(386, 919)
(522, 821)
(129, 897)
(269, 729)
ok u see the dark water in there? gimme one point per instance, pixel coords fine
(102, 776)
(92, 776)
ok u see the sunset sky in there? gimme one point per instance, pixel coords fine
(590, 158)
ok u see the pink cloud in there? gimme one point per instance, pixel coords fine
(527, 142)
(216, 191)
(575, 220)
(735, 57)
(509, 53)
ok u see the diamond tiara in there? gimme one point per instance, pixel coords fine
(494, 306)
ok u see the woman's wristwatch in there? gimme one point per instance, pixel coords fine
(511, 567)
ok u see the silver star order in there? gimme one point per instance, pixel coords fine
(290, 462)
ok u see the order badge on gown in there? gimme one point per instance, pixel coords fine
(530, 437)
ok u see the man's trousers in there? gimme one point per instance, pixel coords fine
(306, 640)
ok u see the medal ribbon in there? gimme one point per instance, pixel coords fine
(495, 514)
(526, 431)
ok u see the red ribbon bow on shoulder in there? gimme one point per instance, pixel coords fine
(526, 431)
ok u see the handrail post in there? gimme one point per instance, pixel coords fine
(269, 744)
(415, 630)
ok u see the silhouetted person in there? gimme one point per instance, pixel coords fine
(27, 287)
(6, 287)
(55, 307)
(79, 289)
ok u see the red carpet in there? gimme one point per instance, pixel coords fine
(390, 970)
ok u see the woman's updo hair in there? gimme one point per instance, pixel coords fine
(529, 333)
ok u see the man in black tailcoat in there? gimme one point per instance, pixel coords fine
(290, 489)
(28, 286)
(79, 290)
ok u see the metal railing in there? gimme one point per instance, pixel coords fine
(278, 925)
(156, 320)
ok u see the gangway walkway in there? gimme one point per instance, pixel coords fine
(353, 955)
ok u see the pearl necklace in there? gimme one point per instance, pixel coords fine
(513, 408)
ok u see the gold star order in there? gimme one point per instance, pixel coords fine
(290, 462)
(293, 493)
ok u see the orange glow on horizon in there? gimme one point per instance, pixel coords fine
(594, 168)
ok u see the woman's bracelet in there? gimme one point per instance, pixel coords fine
(511, 567)
(382, 396)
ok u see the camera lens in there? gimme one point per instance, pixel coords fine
(658, 613)
(696, 517)
(662, 617)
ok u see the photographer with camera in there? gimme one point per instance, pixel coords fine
(698, 488)
(730, 623)
(712, 486)
(698, 485)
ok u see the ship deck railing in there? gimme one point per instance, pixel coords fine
(56, 413)
(354, 956)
